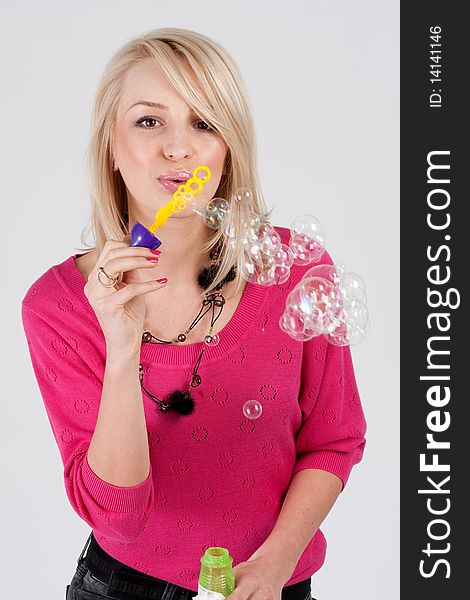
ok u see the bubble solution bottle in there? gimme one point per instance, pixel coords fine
(216, 578)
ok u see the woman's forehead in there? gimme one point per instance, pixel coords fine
(146, 80)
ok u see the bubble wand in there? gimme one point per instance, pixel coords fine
(145, 236)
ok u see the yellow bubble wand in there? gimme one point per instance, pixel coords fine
(143, 236)
(183, 194)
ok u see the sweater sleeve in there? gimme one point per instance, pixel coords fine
(331, 436)
(71, 393)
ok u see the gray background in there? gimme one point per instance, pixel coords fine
(323, 82)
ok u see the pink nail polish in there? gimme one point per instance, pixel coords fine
(152, 260)
(155, 251)
(162, 280)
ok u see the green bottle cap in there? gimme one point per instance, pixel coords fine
(216, 557)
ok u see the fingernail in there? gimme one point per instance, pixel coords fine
(162, 280)
(155, 251)
(153, 260)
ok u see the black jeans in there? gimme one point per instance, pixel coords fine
(124, 583)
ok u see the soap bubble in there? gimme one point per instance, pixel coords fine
(243, 196)
(284, 256)
(232, 235)
(267, 277)
(281, 274)
(252, 224)
(354, 286)
(306, 249)
(307, 225)
(212, 340)
(252, 409)
(270, 240)
(215, 213)
(307, 240)
(197, 204)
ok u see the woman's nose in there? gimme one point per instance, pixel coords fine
(177, 155)
(177, 146)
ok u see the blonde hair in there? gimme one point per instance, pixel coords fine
(227, 111)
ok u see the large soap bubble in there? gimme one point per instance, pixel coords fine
(215, 213)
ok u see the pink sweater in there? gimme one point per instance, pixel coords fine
(216, 477)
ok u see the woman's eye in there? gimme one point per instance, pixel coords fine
(209, 128)
(146, 119)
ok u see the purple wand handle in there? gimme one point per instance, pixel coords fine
(141, 236)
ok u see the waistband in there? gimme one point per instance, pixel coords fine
(121, 577)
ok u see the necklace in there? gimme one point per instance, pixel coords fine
(178, 401)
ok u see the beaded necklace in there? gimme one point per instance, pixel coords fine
(178, 401)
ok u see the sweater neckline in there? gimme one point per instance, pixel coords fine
(173, 356)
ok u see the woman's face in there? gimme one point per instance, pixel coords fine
(151, 140)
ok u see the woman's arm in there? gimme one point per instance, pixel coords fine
(119, 449)
(75, 388)
(310, 497)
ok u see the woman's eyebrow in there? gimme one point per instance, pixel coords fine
(147, 103)
(153, 105)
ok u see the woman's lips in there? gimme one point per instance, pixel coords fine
(169, 185)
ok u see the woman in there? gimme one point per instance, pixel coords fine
(147, 411)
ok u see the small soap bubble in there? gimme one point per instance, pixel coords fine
(216, 213)
(284, 256)
(281, 274)
(354, 286)
(292, 324)
(269, 237)
(232, 236)
(306, 249)
(212, 340)
(357, 315)
(252, 409)
(243, 196)
(266, 277)
(307, 225)
(252, 223)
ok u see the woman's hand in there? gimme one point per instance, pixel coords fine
(120, 310)
(258, 579)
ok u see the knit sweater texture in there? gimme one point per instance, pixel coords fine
(216, 477)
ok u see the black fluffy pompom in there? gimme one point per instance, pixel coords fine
(180, 402)
(207, 275)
